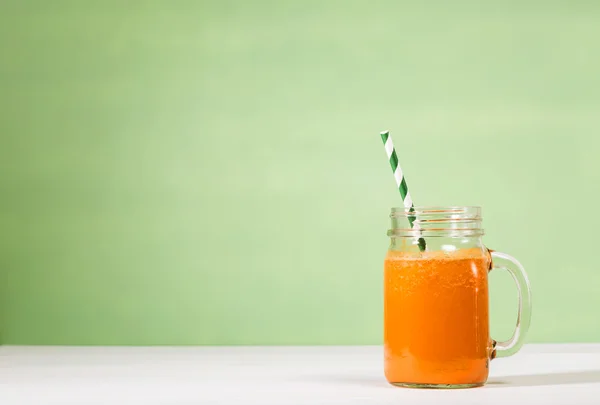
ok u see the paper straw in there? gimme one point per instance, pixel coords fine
(401, 183)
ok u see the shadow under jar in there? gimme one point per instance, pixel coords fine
(436, 301)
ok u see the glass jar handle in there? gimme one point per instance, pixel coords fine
(516, 270)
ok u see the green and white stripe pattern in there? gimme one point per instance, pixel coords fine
(401, 182)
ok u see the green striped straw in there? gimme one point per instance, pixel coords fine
(401, 182)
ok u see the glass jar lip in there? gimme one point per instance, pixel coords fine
(452, 221)
(439, 209)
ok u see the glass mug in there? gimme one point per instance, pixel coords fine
(436, 310)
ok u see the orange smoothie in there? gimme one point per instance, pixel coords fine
(436, 323)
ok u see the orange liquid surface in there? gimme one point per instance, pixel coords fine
(436, 320)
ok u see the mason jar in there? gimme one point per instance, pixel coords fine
(436, 299)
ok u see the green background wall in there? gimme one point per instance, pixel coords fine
(211, 172)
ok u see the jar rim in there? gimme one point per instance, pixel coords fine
(452, 221)
(438, 210)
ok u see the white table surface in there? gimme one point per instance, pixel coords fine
(548, 374)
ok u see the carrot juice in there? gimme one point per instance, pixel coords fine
(436, 320)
